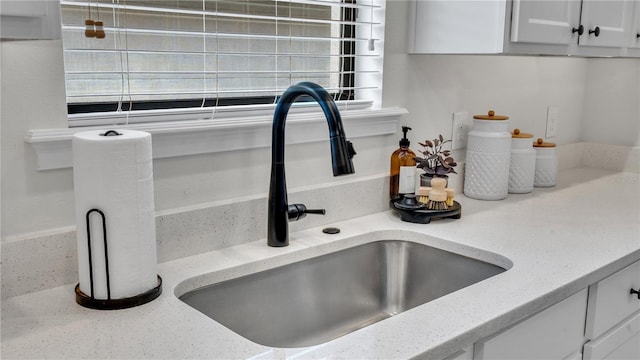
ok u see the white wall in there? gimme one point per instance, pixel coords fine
(32, 88)
(612, 102)
(430, 87)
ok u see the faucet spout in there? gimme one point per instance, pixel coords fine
(341, 153)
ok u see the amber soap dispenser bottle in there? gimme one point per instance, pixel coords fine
(403, 169)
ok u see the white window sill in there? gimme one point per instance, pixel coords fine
(172, 139)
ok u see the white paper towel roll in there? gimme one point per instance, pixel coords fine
(115, 175)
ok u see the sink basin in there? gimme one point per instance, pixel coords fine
(319, 299)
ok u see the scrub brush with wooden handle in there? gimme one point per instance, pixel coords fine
(423, 194)
(437, 195)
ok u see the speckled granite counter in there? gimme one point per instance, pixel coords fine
(555, 242)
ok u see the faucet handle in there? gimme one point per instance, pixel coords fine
(315, 211)
(298, 211)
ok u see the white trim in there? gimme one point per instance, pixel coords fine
(172, 139)
(229, 114)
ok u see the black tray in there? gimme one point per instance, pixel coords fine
(424, 216)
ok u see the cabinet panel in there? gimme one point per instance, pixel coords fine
(622, 342)
(545, 22)
(607, 23)
(555, 333)
(610, 300)
(457, 27)
(464, 354)
(33, 19)
(23, 8)
(635, 30)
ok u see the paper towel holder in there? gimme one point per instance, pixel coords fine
(111, 133)
(90, 301)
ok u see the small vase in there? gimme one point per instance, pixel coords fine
(425, 180)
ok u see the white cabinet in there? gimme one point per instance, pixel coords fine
(611, 300)
(607, 23)
(634, 37)
(598, 323)
(587, 23)
(621, 342)
(545, 22)
(554, 333)
(32, 19)
(613, 316)
(457, 27)
(561, 27)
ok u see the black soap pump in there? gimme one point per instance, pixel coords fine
(403, 169)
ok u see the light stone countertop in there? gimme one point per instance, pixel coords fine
(555, 242)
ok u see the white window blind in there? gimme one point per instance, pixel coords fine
(165, 60)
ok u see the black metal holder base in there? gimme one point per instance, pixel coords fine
(424, 216)
(117, 304)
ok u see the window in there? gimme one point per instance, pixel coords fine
(164, 60)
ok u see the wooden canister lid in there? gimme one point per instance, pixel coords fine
(541, 143)
(491, 115)
(520, 135)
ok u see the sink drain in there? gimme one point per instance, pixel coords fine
(331, 230)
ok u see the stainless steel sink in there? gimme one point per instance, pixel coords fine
(319, 299)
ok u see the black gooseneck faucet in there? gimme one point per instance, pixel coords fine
(279, 211)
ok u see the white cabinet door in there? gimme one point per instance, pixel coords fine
(33, 19)
(457, 27)
(635, 29)
(545, 22)
(607, 22)
(555, 333)
(611, 301)
(620, 343)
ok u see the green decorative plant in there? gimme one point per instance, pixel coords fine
(436, 162)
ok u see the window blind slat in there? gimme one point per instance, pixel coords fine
(177, 33)
(205, 13)
(212, 93)
(178, 72)
(170, 52)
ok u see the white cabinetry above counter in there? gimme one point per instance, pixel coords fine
(607, 23)
(564, 27)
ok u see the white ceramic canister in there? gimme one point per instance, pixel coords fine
(546, 164)
(523, 163)
(488, 156)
